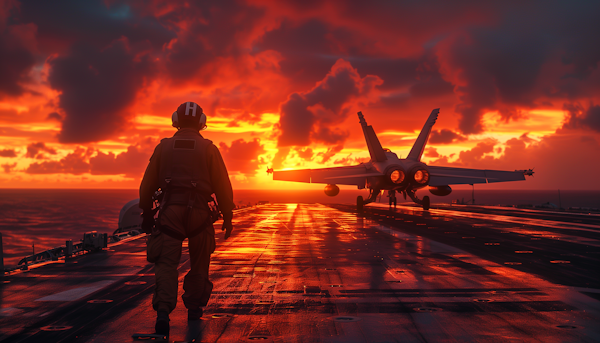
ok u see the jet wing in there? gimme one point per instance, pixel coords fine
(443, 176)
(352, 175)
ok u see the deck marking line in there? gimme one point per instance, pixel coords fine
(9, 311)
(77, 293)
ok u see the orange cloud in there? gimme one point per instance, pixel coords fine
(86, 83)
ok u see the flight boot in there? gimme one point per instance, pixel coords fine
(162, 323)
(195, 314)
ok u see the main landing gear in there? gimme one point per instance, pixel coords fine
(360, 202)
(426, 203)
(413, 196)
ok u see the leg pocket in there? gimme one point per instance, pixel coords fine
(154, 247)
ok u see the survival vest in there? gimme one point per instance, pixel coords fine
(184, 177)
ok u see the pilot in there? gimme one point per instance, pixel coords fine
(188, 169)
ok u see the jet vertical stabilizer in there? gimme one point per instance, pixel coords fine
(375, 149)
(417, 150)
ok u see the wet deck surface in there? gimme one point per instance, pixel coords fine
(311, 273)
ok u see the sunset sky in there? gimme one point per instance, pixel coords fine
(87, 88)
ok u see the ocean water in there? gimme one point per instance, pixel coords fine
(40, 219)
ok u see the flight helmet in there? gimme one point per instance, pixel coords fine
(189, 114)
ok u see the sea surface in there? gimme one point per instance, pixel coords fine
(40, 219)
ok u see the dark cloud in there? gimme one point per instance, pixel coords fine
(498, 67)
(96, 22)
(311, 116)
(296, 122)
(579, 117)
(592, 118)
(330, 136)
(17, 51)
(420, 74)
(54, 116)
(432, 88)
(74, 163)
(242, 156)
(8, 167)
(445, 136)
(306, 50)
(37, 150)
(97, 86)
(308, 47)
(8, 153)
(131, 163)
(214, 30)
(477, 154)
(305, 153)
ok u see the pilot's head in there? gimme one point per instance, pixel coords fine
(189, 115)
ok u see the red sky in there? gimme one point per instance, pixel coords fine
(87, 88)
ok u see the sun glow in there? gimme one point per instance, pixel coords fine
(536, 123)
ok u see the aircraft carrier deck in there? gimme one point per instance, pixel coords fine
(315, 273)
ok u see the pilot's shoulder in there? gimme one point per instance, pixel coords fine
(208, 143)
(162, 141)
(212, 149)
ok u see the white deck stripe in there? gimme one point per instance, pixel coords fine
(77, 293)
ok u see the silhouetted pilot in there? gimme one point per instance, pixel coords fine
(189, 169)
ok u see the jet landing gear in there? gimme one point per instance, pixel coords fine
(425, 202)
(360, 202)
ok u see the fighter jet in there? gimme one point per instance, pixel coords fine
(385, 171)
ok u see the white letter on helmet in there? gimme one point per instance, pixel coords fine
(190, 106)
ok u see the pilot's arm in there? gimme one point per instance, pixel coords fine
(221, 186)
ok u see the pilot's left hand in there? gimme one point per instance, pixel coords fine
(227, 225)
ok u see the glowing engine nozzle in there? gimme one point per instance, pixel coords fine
(421, 176)
(397, 176)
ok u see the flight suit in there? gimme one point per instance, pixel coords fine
(206, 170)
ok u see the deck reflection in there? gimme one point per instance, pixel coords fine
(312, 273)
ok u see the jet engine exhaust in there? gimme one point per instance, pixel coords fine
(421, 177)
(332, 190)
(396, 176)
